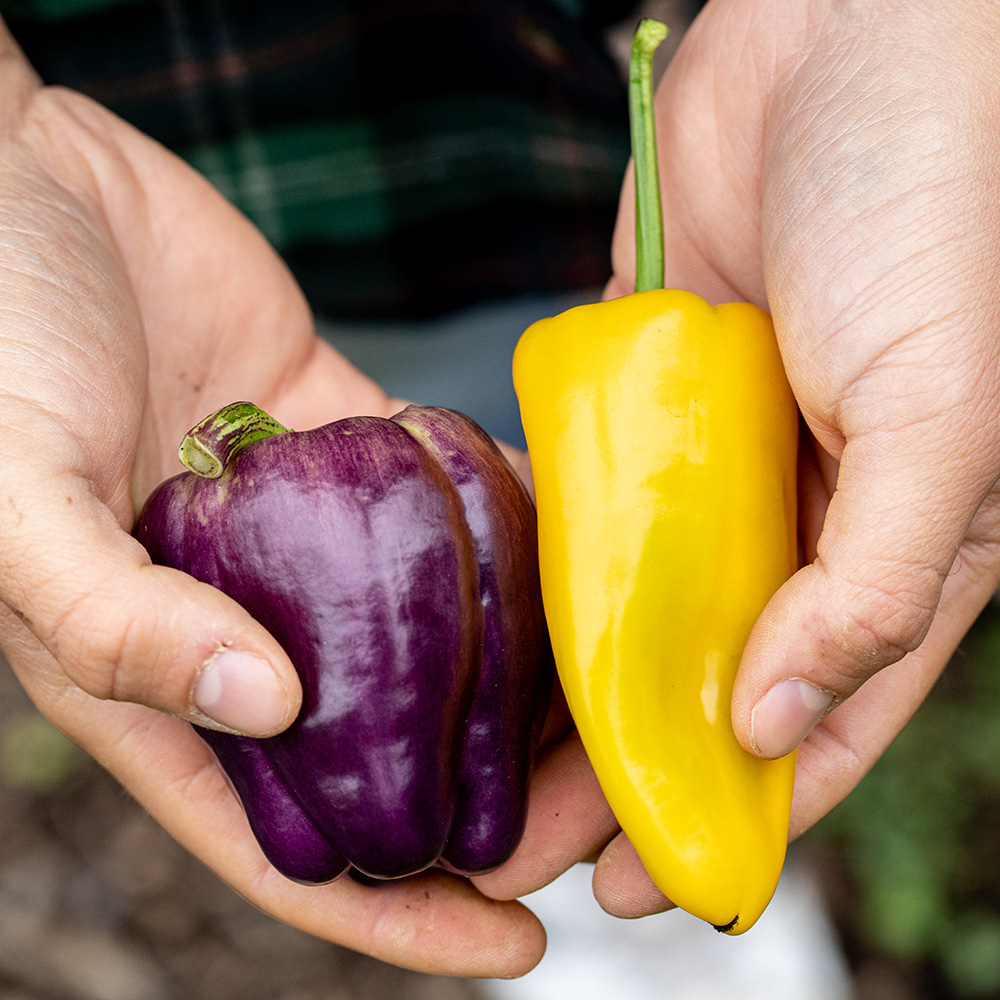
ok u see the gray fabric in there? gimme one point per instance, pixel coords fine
(461, 361)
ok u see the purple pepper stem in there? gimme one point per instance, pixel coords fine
(211, 444)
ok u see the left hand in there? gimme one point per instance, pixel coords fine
(135, 301)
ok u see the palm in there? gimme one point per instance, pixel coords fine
(223, 318)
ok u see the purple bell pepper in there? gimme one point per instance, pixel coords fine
(396, 563)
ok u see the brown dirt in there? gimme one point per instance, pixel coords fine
(98, 903)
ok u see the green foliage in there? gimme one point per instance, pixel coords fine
(34, 755)
(971, 956)
(921, 834)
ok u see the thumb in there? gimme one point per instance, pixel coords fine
(123, 629)
(892, 532)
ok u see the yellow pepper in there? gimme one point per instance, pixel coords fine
(663, 435)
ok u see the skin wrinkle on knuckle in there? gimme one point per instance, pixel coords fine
(46, 590)
(874, 625)
(93, 637)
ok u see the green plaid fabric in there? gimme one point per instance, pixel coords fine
(406, 158)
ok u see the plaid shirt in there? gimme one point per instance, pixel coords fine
(404, 157)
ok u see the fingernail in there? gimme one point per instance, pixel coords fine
(786, 715)
(241, 692)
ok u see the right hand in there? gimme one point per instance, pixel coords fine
(134, 300)
(834, 161)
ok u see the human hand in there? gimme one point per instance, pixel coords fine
(834, 162)
(135, 300)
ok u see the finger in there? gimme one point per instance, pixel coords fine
(890, 538)
(840, 751)
(123, 629)
(568, 820)
(622, 887)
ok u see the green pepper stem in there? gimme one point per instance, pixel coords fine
(648, 207)
(210, 445)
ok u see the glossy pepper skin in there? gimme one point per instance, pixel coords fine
(351, 544)
(663, 436)
(517, 669)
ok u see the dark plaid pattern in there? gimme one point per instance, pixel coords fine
(404, 157)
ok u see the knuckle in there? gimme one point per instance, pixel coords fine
(876, 624)
(94, 639)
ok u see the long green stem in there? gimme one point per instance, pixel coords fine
(648, 208)
(210, 445)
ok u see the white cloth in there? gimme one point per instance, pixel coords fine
(791, 953)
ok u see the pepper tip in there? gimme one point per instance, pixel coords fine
(727, 928)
